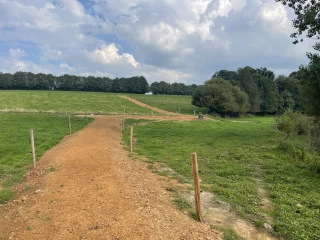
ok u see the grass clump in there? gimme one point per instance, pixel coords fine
(228, 233)
(51, 169)
(5, 195)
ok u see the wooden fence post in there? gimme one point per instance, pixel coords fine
(33, 149)
(131, 136)
(69, 124)
(195, 174)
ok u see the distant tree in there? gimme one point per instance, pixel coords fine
(310, 82)
(20, 80)
(245, 80)
(226, 75)
(286, 102)
(292, 86)
(268, 93)
(295, 75)
(266, 73)
(218, 95)
(6, 81)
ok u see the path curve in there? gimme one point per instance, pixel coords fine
(96, 192)
(148, 106)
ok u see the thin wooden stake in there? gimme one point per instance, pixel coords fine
(131, 137)
(194, 113)
(33, 149)
(195, 174)
(69, 124)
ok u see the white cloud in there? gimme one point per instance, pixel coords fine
(67, 67)
(50, 53)
(108, 55)
(16, 53)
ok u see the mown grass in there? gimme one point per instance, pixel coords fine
(68, 102)
(15, 149)
(232, 155)
(171, 103)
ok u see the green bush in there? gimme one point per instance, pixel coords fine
(293, 122)
(314, 136)
(306, 156)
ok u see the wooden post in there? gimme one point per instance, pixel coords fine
(86, 119)
(179, 110)
(131, 136)
(33, 149)
(194, 113)
(195, 174)
(69, 124)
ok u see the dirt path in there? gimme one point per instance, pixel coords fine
(148, 106)
(96, 192)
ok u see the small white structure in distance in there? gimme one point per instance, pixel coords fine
(148, 93)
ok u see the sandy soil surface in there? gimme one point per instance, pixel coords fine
(95, 191)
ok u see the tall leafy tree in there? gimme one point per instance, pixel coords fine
(245, 80)
(268, 92)
(220, 96)
(226, 75)
(307, 22)
(6, 81)
(266, 72)
(311, 86)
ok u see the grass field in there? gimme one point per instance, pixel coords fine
(171, 103)
(236, 158)
(71, 102)
(15, 149)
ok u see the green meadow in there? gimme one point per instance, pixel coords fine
(235, 159)
(171, 103)
(67, 102)
(15, 148)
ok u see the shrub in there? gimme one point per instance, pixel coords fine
(314, 136)
(304, 155)
(292, 122)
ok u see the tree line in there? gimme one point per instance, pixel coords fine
(41, 81)
(255, 91)
(172, 89)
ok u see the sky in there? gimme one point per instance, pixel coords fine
(183, 41)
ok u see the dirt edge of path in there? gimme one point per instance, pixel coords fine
(141, 104)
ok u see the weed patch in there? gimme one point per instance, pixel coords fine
(5, 195)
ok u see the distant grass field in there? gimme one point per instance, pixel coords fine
(15, 149)
(67, 101)
(235, 157)
(171, 103)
